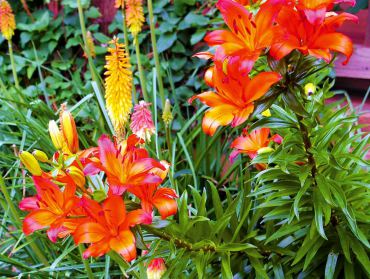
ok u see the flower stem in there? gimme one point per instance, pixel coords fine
(155, 52)
(14, 212)
(140, 68)
(125, 37)
(85, 262)
(15, 76)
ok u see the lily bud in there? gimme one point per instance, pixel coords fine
(69, 130)
(266, 113)
(30, 162)
(167, 114)
(77, 175)
(156, 269)
(265, 150)
(40, 156)
(56, 135)
(309, 89)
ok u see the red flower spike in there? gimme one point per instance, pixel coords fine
(109, 228)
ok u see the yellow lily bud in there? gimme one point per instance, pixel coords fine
(40, 156)
(56, 135)
(30, 162)
(77, 175)
(265, 150)
(69, 131)
(309, 89)
(167, 114)
(266, 113)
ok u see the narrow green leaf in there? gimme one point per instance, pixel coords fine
(331, 263)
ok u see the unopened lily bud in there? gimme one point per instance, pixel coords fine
(69, 130)
(266, 113)
(56, 135)
(77, 175)
(265, 150)
(40, 156)
(30, 162)
(309, 89)
(167, 114)
(156, 269)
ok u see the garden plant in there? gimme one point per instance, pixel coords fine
(180, 139)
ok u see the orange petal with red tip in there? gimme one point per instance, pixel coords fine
(124, 245)
(28, 204)
(89, 233)
(219, 37)
(218, 116)
(114, 210)
(97, 249)
(166, 206)
(241, 116)
(210, 99)
(138, 216)
(37, 220)
(259, 85)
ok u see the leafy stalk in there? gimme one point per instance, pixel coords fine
(11, 55)
(85, 262)
(140, 68)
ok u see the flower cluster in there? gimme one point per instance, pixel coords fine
(7, 20)
(72, 199)
(278, 29)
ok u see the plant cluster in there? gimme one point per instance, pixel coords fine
(265, 180)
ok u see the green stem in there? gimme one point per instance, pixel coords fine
(86, 48)
(18, 221)
(85, 262)
(127, 43)
(140, 68)
(15, 76)
(155, 53)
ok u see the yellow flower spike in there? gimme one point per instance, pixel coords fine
(40, 156)
(266, 113)
(68, 129)
(167, 113)
(7, 20)
(134, 16)
(265, 150)
(309, 89)
(30, 162)
(118, 84)
(77, 175)
(90, 44)
(56, 135)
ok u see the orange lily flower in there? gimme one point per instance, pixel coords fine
(51, 209)
(124, 166)
(250, 144)
(232, 103)
(109, 228)
(315, 10)
(239, 48)
(315, 40)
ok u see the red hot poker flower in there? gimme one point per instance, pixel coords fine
(239, 48)
(51, 209)
(232, 103)
(109, 228)
(316, 40)
(124, 166)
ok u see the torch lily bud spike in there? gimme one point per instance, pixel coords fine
(167, 114)
(156, 269)
(40, 156)
(30, 162)
(7, 20)
(69, 130)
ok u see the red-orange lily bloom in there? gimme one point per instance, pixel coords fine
(51, 209)
(316, 40)
(124, 166)
(109, 228)
(251, 143)
(239, 48)
(315, 10)
(232, 103)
